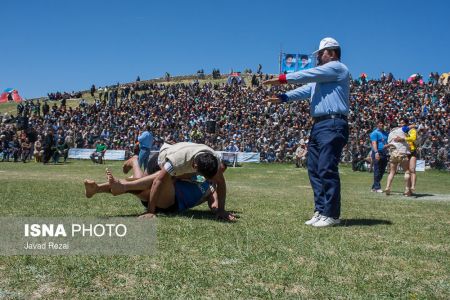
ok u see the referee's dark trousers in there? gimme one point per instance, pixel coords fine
(327, 139)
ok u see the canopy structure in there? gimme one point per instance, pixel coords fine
(235, 78)
(10, 94)
(416, 78)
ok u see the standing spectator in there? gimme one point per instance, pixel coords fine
(37, 108)
(254, 81)
(26, 149)
(145, 145)
(15, 147)
(92, 90)
(49, 145)
(105, 94)
(328, 87)
(5, 148)
(45, 108)
(69, 139)
(100, 93)
(20, 107)
(378, 139)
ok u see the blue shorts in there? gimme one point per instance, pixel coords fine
(188, 194)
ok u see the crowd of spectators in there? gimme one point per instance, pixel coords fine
(64, 95)
(179, 112)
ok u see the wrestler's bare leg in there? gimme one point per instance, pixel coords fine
(137, 171)
(91, 188)
(128, 165)
(412, 170)
(120, 187)
(407, 177)
(393, 170)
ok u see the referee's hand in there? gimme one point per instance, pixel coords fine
(272, 99)
(273, 81)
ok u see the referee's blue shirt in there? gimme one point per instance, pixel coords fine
(327, 87)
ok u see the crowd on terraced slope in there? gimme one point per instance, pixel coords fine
(179, 112)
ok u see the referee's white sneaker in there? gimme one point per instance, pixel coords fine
(315, 218)
(326, 222)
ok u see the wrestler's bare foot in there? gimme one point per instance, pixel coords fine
(128, 165)
(147, 215)
(117, 188)
(90, 188)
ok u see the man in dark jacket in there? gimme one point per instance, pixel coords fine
(49, 145)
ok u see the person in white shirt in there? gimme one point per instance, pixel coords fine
(399, 151)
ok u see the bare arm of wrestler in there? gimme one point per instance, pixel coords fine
(221, 193)
(213, 203)
(155, 192)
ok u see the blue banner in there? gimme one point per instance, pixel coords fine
(295, 62)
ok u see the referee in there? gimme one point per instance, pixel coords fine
(327, 88)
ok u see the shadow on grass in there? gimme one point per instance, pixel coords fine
(421, 195)
(124, 216)
(414, 195)
(191, 214)
(364, 222)
(198, 214)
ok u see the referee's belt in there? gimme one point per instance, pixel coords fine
(327, 117)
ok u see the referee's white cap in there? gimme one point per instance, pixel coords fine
(327, 43)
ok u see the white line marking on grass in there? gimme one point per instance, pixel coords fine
(415, 197)
(429, 197)
(304, 186)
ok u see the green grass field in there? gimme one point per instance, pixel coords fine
(387, 247)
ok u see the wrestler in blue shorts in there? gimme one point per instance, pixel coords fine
(177, 196)
(188, 194)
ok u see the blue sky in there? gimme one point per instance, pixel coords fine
(69, 45)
